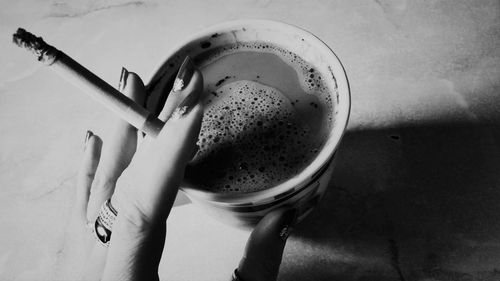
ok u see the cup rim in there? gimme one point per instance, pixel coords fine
(331, 144)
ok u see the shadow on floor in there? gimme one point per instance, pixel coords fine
(407, 204)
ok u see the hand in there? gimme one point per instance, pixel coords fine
(264, 250)
(143, 184)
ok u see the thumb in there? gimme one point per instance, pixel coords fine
(264, 250)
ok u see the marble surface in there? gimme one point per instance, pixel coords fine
(416, 194)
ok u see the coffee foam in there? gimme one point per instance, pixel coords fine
(310, 79)
(251, 139)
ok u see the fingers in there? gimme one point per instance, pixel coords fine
(86, 173)
(165, 157)
(93, 144)
(185, 110)
(264, 249)
(139, 231)
(178, 138)
(118, 149)
(121, 146)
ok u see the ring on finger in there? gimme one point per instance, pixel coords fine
(103, 225)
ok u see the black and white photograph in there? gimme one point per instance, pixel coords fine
(250, 140)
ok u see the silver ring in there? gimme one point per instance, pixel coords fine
(104, 223)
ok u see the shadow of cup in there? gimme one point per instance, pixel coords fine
(406, 203)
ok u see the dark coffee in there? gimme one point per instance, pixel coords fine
(267, 115)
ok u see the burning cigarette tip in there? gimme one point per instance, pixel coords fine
(43, 51)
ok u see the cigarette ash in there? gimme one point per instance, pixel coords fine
(43, 51)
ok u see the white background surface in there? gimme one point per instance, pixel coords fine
(417, 190)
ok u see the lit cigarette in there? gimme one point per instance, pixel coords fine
(90, 83)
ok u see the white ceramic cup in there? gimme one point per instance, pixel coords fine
(303, 190)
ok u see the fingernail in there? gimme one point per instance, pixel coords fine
(186, 105)
(123, 79)
(184, 75)
(289, 219)
(87, 137)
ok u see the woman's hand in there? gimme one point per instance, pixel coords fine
(142, 184)
(264, 250)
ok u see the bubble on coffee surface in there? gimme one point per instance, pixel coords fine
(312, 80)
(251, 139)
